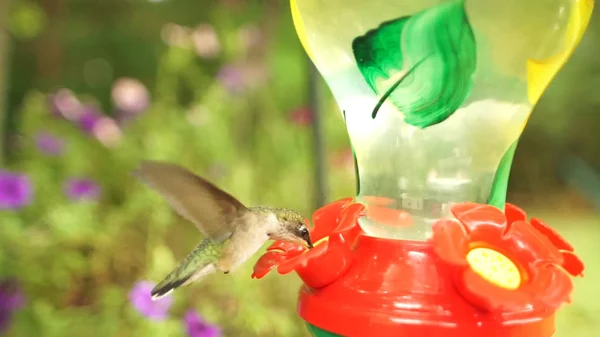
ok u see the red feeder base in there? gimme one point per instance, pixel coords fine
(401, 288)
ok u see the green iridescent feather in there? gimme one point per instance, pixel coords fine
(422, 63)
(206, 253)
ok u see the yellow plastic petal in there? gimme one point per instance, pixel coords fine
(541, 72)
(300, 30)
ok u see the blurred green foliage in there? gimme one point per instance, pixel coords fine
(78, 260)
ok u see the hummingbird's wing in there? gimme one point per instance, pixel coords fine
(211, 209)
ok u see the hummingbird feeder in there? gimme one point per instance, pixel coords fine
(435, 95)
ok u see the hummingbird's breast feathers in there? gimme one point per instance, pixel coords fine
(251, 232)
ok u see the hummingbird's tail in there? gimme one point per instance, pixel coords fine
(198, 264)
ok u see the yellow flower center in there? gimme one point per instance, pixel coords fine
(325, 239)
(494, 267)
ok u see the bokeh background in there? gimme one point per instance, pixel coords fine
(90, 88)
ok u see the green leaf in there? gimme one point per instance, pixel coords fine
(423, 63)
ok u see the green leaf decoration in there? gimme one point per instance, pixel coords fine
(318, 332)
(422, 63)
(497, 196)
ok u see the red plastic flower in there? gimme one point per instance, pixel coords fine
(278, 252)
(503, 261)
(379, 210)
(335, 229)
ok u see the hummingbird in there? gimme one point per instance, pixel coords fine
(232, 231)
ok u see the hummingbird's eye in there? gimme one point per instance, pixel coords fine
(304, 231)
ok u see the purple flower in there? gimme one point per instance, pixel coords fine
(175, 35)
(11, 299)
(64, 103)
(81, 189)
(49, 144)
(205, 41)
(250, 36)
(130, 96)
(15, 190)
(196, 326)
(232, 78)
(107, 131)
(88, 119)
(140, 298)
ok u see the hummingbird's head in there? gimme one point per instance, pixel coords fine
(291, 228)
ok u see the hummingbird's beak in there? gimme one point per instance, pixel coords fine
(308, 242)
(304, 235)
